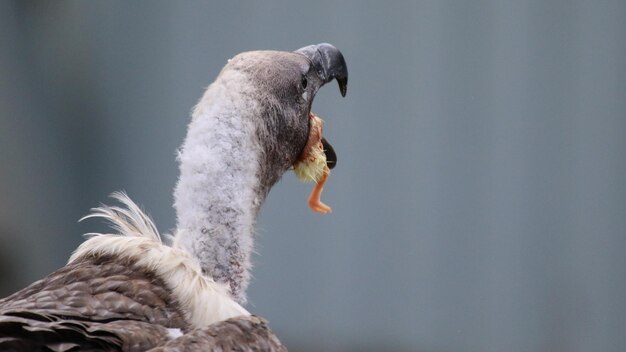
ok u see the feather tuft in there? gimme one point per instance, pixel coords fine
(129, 219)
(203, 300)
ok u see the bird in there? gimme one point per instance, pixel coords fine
(128, 290)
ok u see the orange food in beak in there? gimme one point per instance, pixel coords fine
(312, 166)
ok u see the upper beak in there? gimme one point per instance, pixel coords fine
(329, 63)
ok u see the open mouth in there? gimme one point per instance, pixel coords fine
(318, 156)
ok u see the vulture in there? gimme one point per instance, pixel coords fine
(129, 291)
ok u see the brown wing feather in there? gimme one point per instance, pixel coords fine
(108, 304)
(250, 333)
(92, 304)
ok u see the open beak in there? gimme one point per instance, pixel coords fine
(330, 64)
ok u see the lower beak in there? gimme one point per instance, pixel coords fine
(331, 156)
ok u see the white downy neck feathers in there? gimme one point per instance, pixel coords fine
(216, 198)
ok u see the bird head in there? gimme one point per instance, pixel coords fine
(284, 85)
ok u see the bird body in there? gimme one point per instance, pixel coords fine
(201, 299)
(125, 290)
(128, 291)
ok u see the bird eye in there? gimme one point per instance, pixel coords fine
(304, 82)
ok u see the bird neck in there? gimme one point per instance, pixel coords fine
(219, 191)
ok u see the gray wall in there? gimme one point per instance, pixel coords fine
(480, 198)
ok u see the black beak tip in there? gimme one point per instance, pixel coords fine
(343, 86)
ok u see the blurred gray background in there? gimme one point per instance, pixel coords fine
(480, 197)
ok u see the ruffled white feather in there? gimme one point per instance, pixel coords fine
(203, 300)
